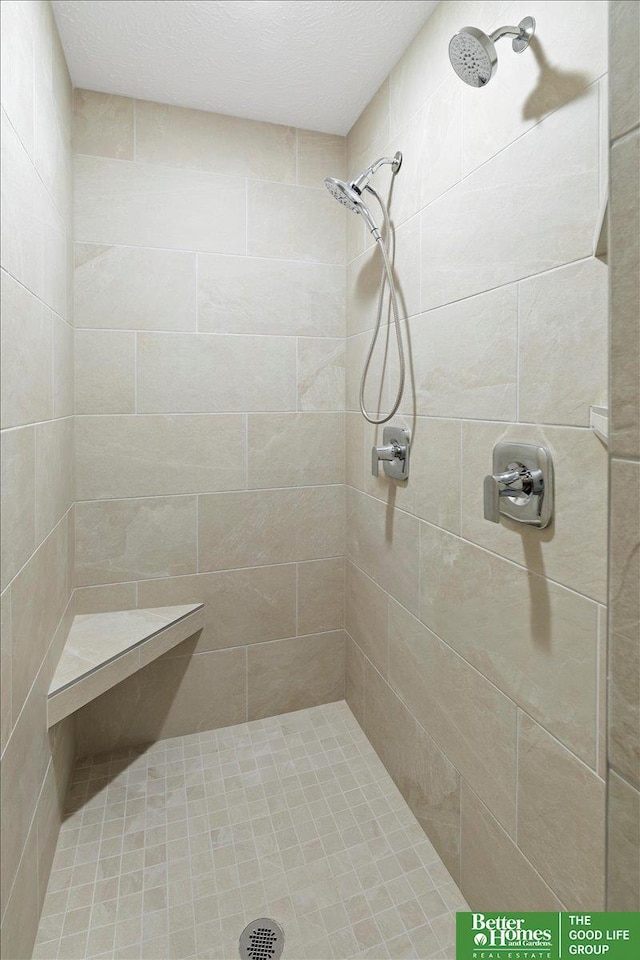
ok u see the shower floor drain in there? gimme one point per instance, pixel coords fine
(262, 939)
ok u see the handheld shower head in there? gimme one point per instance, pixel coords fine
(473, 54)
(350, 194)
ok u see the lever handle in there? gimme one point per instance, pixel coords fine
(491, 499)
(388, 452)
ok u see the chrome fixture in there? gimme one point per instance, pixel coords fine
(350, 195)
(394, 453)
(521, 485)
(473, 54)
(261, 939)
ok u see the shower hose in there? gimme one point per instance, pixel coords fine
(384, 242)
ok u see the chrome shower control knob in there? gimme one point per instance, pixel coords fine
(521, 486)
(394, 453)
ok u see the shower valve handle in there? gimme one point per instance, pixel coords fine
(387, 452)
(394, 453)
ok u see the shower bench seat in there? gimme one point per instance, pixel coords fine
(102, 649)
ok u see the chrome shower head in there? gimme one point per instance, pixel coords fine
(473, 54)
(350, 194)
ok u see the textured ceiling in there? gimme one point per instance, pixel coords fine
(308, 63)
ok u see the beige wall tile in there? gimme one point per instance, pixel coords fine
(519, 630)
(193, 373)
(436, 472)
(54, 473)
(270, 526)
(105, 598)
(240, 606)
(564, 841)
(546, 78)
(321, 368)
(623, 839)
(20, 922)
(295, 449)
(320, 155)
(27, 387)
(274, 297)
(624, 31)
(321, 595)
(102, 124)
(384, 544)
(51, 150)
(463, 358)
(215, 142)
(18, 70)
(118, 540)
(354, 678)
(63, 364)
(105, 379)
(570, 551)
(354, 450)
(624, 258)
(293, 674)
(162, 699)
(494, 871)
(480, 739)
(294, 223)
(424, 776)
(18, 526)
(133, 288)
(624, 623)
(372, 123)
(6, 718)
(145, 205)
(367, 617)
(120, 456)
(562, 314)
(470, 239)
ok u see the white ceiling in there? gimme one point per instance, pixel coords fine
(308, 63)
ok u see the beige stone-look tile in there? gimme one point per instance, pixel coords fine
(48, 820)
(624, 622)
(294, 223)
(102, 124)
(159, 455)
(134, 288)
(354, 450)
(463, 358)
(321, 595)
(534, 639)
(564, 841)
(545, 79)
(65, 702)
(27, 388)
(426, 779)
(624, 260)
(51, 154)
(493, 869)
(63, 368)
(624, 36)
(107, 597)
(295, 449)
(39, 596)
(320, 155)
(215, 142)
(118, 540)
(200, 373)
(367, 617)
(563, 314)
(6, 720)
(470, 239)
(54, 443)
(162, 699)
(435, 472)
(270, 526)
(240, 606)
(321, 372)
(17, 61)
(146, 205)
(105, 377)
(385, 544)
(18, 527)
(293, 674)
(569, 551)
(479, 736)
(354, 678)
(372, 123)
(20, 922)
(380, 379)
(623, 841)
(273, 297)
(33, 235)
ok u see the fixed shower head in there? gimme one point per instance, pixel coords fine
(350, 194)
(473, 54)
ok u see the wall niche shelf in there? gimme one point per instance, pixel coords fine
(102, 649)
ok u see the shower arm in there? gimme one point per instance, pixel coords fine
(506, 32)
(360, 182)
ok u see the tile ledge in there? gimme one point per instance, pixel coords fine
(102, 649)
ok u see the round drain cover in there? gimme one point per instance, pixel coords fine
(262, 939)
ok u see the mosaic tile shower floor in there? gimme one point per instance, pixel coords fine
(168, 852)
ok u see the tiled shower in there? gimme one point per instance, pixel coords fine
(394, 709)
